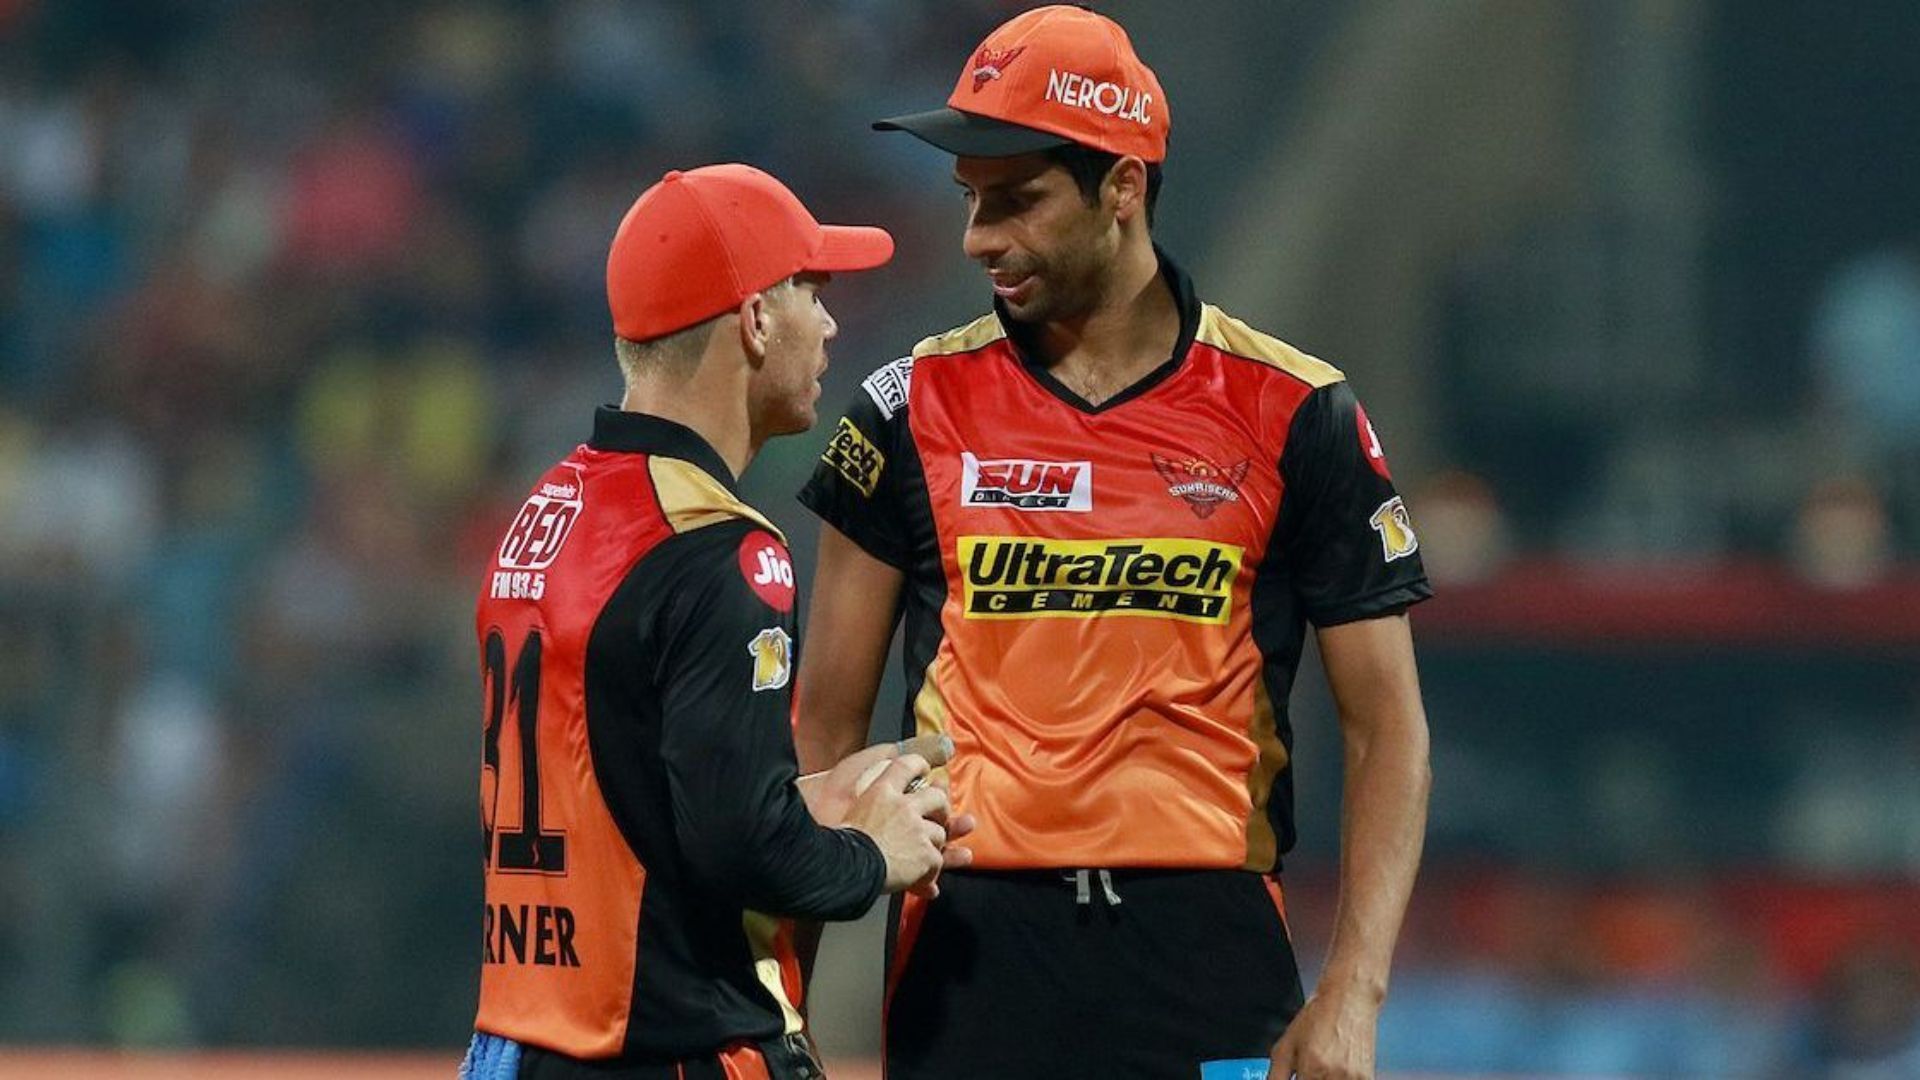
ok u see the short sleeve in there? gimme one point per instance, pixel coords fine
(856, 485)
(1344, 532)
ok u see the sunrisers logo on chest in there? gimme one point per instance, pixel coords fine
(1022, 577)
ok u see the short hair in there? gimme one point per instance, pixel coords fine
(675, 356)
(1089, 168)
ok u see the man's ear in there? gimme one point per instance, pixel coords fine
(755, 327)
(1126, 187)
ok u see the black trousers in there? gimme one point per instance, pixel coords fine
(1050, 974)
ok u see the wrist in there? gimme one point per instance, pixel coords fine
(1351, 986)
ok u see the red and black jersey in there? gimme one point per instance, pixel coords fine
(1105, 605)
(642, 829)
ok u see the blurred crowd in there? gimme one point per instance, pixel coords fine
(294, 301)
(293, 298)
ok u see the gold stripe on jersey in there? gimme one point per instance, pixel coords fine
(929, 705)
(979, 333)
(761, 932)
(930, 708)
(1228, 334)
(1262, 846)
(692, 499)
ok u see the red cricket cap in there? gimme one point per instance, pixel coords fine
(697, 243)
(1044, 78)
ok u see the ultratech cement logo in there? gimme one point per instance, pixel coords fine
(855, 458)
(1017, 577)
(1026, 485)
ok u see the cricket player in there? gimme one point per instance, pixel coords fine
(644, 828)
(1108, 512)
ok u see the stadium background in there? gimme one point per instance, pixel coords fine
(296, 299)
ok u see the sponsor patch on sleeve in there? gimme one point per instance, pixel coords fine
(772, 652)
(768, 569)
(854, 457)
(1370, 443)
(888, 386)
(1395, 527)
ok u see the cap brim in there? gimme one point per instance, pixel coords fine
(851, 247)
(969, 135)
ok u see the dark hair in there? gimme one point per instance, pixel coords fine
(1089, 167)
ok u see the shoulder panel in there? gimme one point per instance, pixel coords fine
(1230, 335)
(692, 499)
(981, 332)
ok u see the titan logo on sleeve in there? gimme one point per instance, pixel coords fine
(1020, 484)
(854, 457)
(772, 652)
(1395, 527)
(1017, 577)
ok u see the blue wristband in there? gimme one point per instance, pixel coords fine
(1234, 1069)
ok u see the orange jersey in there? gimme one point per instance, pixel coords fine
(636, 786)
(1105, 605)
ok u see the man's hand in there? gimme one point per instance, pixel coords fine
(1331, 1039)
(908, 818)
(831, 793)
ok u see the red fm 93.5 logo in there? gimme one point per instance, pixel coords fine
(541, 527)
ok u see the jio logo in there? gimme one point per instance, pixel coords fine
(773, 569)
(767, 570)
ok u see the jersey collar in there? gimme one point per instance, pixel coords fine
(1022, 337)
(622, 432)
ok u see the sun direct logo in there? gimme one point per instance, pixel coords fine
(1018, 577)
(1022, 484)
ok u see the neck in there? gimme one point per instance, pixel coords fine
(1136, 322)
(716, 414)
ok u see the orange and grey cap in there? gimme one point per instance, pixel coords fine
(699, 242)
(1045, 78)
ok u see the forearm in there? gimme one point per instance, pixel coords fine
(849, 625)
(831, 726)
(1382, 829)
(787, 866)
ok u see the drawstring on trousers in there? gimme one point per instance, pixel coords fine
(1083, 886)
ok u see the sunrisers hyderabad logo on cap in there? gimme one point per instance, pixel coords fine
(988, 64)
(1201, 484)
(768, 570)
